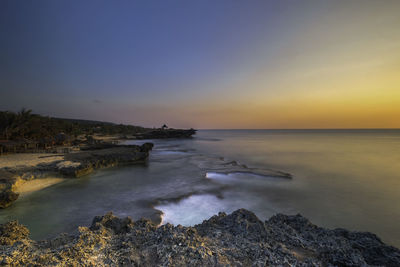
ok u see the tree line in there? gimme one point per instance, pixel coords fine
(26, 125)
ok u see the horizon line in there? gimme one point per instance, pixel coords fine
(293, 129)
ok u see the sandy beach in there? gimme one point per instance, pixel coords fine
(31, 186)
(25, 187)
(23, 173)
(28, 159)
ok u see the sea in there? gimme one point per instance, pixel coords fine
(336, 178)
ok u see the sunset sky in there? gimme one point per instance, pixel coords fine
(204, 64)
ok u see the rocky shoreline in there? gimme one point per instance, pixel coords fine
(238, 239)
(73, 165)
(93, 154)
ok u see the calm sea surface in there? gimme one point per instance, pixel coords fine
(340, 178)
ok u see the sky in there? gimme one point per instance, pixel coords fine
(204, 64)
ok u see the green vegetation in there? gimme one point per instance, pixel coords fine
(25, 125)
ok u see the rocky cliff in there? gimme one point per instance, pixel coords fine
(238, 239)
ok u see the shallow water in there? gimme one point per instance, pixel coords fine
(347, 179)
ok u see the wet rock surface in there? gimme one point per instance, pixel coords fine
(238, 239)
(7, 195)
(106, 157)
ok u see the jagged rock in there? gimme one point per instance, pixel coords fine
(240, 222)
(7, 197)
(238, 239)
(338, 247)
(76, 170)
(12, 232)
(107, 157)
(112, 222)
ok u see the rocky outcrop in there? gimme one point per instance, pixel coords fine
(238, 239)
(87, 161)
(7, 195)
(74, 165)
(166, 133)
(12, 232)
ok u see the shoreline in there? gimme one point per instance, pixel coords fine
(239, 238)
(285, 239)
(23, 168)
(31, 186)
(74, 158)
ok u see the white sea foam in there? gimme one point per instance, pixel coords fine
(170, 152)
(221, 177)
(234, 177)
(183, 213)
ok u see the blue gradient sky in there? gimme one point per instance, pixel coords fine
(204, 64)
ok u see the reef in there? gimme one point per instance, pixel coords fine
(237, 239)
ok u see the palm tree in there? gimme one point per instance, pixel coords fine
(19, 126)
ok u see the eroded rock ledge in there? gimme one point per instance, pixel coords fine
(237, 239)
(74, 165)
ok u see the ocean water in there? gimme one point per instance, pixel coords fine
(339, 178)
